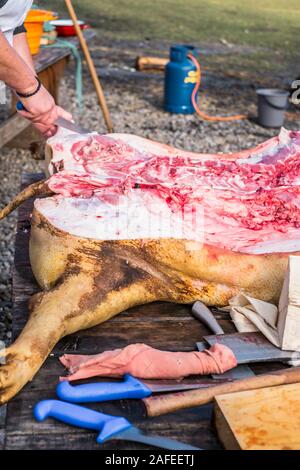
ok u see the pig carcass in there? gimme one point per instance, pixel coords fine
(131, 221)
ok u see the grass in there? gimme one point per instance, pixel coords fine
(272, 24)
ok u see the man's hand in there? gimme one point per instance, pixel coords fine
(17, 71)
(42, 111)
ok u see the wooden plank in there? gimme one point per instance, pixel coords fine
(11, 128)
(264, 419)
(2, 426)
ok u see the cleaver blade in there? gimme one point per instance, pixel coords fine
(237, 373)
(252, 347)
(205, 316)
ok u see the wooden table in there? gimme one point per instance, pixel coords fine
(50, 64)
(161, 325)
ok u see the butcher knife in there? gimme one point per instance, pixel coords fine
(60, 122)
(71, 126)
(110, 427)
(130, 387)
(202, 313)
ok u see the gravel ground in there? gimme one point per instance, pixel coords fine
(136, 107)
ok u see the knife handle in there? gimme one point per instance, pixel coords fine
(130, 387)
(81, 417)
(203, 314)
(20, 106)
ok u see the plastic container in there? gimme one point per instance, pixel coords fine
(180, 79)
(272, 104)
(66, 27)
(34, 24)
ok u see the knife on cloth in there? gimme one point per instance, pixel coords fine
(60, 122)
(204, 315)
(110, 427)
(130, 387)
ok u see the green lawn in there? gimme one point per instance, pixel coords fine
(273, 24)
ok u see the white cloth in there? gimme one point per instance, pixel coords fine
(250, 314)
(12, 15)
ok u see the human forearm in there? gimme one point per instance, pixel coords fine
(14, 71)
(17, 71)
(21, 46)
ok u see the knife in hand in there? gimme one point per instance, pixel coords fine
(109, 427)
(60, 122)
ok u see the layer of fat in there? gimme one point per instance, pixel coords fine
(137, 215)
(142, 215)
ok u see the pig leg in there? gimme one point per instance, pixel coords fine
(35, 189)
(67, 308)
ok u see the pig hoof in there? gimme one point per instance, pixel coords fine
(14, 373)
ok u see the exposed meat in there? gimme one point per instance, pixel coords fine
(246, 202)
(145, 362)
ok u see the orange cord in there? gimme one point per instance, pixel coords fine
(197, 109)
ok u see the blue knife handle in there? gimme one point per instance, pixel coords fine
(81, 417)
(20, 106)
(102, 391)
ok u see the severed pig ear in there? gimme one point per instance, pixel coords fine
(40, 188)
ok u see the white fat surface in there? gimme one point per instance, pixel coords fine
(275, 246)
(135, 216)
(141, 216)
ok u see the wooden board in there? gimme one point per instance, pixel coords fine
(161, 325)
(264, 419)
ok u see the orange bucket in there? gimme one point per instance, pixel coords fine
(34, 24)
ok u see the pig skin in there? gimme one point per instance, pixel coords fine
(85, 282)
(144, 362)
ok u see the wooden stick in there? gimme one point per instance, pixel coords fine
(161, 404)
(91, 66)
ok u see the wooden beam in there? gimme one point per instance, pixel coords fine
(11, 128)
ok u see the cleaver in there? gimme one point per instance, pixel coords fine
(204, 315)
(252, 347)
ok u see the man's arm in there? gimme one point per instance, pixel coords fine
(22, 48)
(13, 69)
(17, 71)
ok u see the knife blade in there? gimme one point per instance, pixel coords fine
(203, 314)
(110, 427)
(130, 387)
(71, 126)
(60, 122)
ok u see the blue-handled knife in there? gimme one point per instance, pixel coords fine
(109, 427)
(130, 387)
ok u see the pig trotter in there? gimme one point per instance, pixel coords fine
(35, 189)
(20, 361)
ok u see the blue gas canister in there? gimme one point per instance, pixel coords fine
(180, 79)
